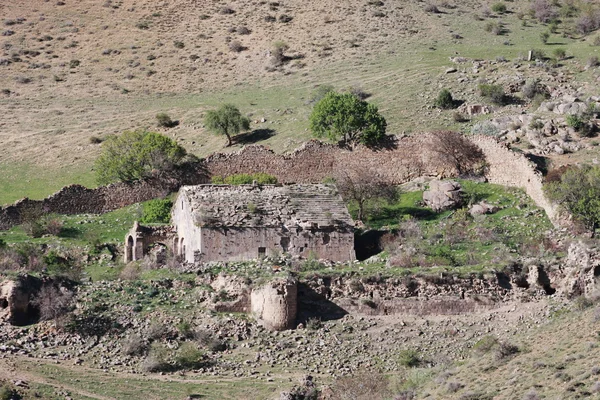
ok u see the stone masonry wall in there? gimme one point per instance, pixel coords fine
(408, 158)
(508, 168)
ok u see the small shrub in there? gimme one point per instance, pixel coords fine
(494, 93)
(409, 358)
(444, 100)
(533, 87)
(130, 272)
(156, 331)
(544, 36)
(157, 211)
(536, 124)
(279, 49)
(314, 324)
(186, 330)
(459, 117)
(321, 92)
(369, 303)
(576, 122)
(432, 8)
(236, 46)
(537, 54)
(178, 44)
(485, 344)
(74, 63)
(242, 30)
(499, 8)
(188, 356)
(454, 386)
(505, 350)
(226, 10)
(284, 18)
(134, 346)
(543, 11)
(95, 140)
(165, 121)
(494, 27)
(157, 359)
(143, 25)
(559, 53)
(592, 62)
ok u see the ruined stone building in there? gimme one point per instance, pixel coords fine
(247, 222)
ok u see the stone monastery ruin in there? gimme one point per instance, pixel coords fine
(248, 222)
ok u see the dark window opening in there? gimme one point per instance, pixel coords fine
(3, 303)
(285, 243)
(262, 251)
(326, 238)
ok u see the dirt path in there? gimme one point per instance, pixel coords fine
(9, 369)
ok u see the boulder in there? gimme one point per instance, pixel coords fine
(443, 195)
(482, 208)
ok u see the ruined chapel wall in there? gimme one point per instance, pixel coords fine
(508, 168)
(243, 244)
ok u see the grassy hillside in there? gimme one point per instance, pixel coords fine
(76, 72)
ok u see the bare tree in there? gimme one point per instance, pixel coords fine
(458, 150)
(53, 301)
(363, 186)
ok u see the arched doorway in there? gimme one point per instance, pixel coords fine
(182, 248)
(129, 249)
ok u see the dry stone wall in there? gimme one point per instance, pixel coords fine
(405, 159)
(508, 168)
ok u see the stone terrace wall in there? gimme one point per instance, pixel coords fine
(509, 168)
(76, 199)
(313, 162)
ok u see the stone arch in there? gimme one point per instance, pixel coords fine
(129, 249)
(175, 246)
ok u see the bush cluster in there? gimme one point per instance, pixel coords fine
(245, 179)
(157, 211)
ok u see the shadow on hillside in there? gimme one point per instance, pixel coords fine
(316, 305)
(254, 136)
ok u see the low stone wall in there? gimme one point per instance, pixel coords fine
(404, 158)
(77, 199)
(508, 168)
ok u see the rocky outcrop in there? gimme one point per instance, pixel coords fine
(15, 299)
(582, 267)
(443, 195)
(276, 304)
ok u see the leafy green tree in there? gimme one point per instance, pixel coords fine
(157, 211)
(344, 117)
(226, 120)
(135, 155)
(578, 191)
